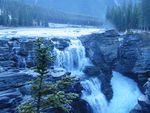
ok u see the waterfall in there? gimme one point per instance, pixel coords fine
(93, 95)
(125, 96)
(72, 59)
(21, 61)
(126, 92)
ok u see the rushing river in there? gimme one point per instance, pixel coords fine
(73, 59)
(126, 91)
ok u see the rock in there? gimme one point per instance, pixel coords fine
(91, 70)
(106, 86)
(61, 44)
(134, 57)
(25, 90)
(1, 69)
(23, 53)
(111, 33)
(9, 80)
(102, 49)
(4, 102)
(81, 106)
(147, 88)
(10, 99)
(128, 54)
(12, 89)
(143, 101)
(57, 72)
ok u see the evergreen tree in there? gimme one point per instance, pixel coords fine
(146, 13)
(46, 93)
(125, 17)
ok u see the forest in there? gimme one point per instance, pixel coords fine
(130, 16)
(17, 13)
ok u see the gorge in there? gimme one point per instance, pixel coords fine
(112, 68)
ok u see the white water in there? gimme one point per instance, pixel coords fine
(48, 32)
(93, 95)
(73, 59)
(126, 91)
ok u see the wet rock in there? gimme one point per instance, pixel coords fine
(128, 54)
(1, 69)
(102, 49)
(111, 33)
(9, 80)
(143, 101)
(81, 106)
(25, 90)
(91, 70)
(106, 86)
(61, 44)
(4, 102)
(134, 57)
(23, 52)
(10, 99)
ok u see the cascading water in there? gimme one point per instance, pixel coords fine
(93, 95)
(125, 96)
(73, 59)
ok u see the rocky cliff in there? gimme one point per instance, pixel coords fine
(128, 54)
(17, 56)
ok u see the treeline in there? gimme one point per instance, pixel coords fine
(16, 13)
(130, 16)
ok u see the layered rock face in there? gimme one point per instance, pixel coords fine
(134, 57)
(143, 105)
(17, 55)
(128, 54)
(102, 51)
(12, 89)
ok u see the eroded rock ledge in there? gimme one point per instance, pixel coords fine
(128, 54)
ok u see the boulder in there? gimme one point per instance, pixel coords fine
(143, 101)
(102, 49)
(9, 80)
(91, 70)
(128, 54)
(10, 99)
(61, 44)
(81, 106)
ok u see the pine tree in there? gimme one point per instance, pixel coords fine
(146, 13)
(125, 17)
(47, 93)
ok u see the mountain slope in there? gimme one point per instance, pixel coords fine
(96, 8)
(16, 13)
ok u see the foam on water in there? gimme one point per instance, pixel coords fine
(73, 59)
(48, 32)
(125, 94)
(126, 91)
(93, 95)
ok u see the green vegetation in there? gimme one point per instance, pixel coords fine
(124, 17)
(130, 16)
(45, 93)
(17, 13)
(146, 14)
